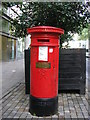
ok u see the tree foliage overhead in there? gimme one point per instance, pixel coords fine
(72, 17)
(84, 34)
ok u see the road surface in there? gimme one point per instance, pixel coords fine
(12, 73)
(88, 73)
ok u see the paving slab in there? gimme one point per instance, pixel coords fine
(15, 105)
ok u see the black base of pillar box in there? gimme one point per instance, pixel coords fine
(42, 106)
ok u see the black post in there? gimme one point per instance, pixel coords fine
(27, 71)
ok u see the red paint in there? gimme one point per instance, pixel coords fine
(44, 82)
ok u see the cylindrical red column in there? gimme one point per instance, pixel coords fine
(44, 69)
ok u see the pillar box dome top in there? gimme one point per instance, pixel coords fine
(45, 29)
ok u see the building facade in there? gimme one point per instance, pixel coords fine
(11, 47)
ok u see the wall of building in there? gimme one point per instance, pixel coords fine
(8, 48)
(76, 44)
(5, 25)
(20, 46)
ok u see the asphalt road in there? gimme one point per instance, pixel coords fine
(88, 73)
(12, 73)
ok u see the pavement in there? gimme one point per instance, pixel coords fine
(15, 104)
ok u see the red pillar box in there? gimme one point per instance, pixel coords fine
(44, 69)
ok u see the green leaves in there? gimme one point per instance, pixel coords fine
(72, 17)
(84, 34)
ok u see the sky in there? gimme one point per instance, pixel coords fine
(12, 14)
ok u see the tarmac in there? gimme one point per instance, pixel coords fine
(15, 105)
(12, 73)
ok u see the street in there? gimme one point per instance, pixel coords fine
(12, 73)
(88, 73)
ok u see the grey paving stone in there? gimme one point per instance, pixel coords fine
(85, 114)
(55, 116)
(5, 115)
(80, 115)
(16, 105)
(34, 117)
(40, 118)
(9, 116)
(61, 118)
(73, 116)
(17, 115)
(28, 118)
(48, 118)
(29, 115)
(68, 119)
(67, 116)
(21, 109)
(23, 116)
(61, 113)
(67, 111)
(12, 114)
